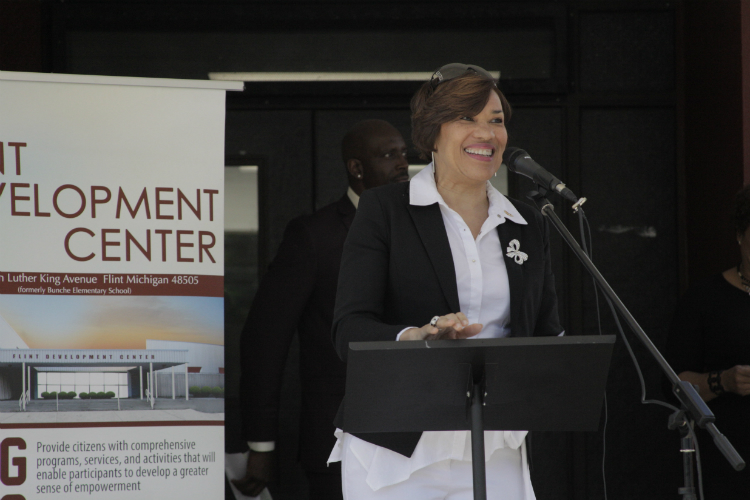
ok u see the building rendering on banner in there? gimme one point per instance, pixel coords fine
(25, 374)
(9, 341)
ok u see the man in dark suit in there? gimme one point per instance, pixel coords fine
(298, 293)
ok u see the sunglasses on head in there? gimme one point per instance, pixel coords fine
(454, 70)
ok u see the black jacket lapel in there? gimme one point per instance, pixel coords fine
(509, 231)
(346, 210)
(429, 223)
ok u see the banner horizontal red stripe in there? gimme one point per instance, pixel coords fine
(119, 284)
(75, 425)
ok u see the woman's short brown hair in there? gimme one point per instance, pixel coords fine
(465, 95)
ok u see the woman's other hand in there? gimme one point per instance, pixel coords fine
(737, 380)
(450, 326)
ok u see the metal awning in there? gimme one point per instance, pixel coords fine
(161, 358)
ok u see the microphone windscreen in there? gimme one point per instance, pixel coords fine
(510, 155)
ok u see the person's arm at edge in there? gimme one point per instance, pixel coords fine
(735, 379)
(685, 350)
(269, 331)
(270, 326)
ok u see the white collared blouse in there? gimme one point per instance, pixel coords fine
(481, 277)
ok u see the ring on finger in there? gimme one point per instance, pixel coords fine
(434, 320)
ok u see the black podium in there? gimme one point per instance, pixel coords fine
(534, 384)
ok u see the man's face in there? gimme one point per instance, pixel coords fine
(385, 162)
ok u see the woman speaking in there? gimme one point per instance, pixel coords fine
(449, 252)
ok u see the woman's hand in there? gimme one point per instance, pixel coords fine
(450, 326)
(737, 380)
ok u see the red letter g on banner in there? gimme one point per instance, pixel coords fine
(19, 462)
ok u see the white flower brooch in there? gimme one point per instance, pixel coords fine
(515, 253)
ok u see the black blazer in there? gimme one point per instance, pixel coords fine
(397, 271)
(297, 293)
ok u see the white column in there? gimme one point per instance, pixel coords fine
(187, 394)
(23, 385)
(28, 381)
(140, 380)
(156, 384)
(151, 380)
(172, 381)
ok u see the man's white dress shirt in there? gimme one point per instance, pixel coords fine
(484, 297)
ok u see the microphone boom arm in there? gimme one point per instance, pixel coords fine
(691, 402)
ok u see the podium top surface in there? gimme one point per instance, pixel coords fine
(530, 383)
(130, 81)
(475, 343)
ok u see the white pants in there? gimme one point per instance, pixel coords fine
(445, 480)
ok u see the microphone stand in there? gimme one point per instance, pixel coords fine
(693, 408)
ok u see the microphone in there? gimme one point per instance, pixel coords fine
(518, 161)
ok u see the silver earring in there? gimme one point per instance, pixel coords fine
(495, 173)
(433, 159)
(359, 176)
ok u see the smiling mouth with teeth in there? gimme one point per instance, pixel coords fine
(483, 152)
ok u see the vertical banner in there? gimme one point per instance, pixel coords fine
(111, 287)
